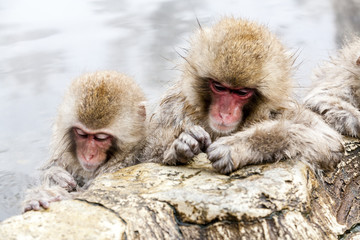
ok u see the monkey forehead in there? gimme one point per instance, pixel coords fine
(103, 96)
(236, 51)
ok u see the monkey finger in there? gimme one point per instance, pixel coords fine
(191, 142)
(68, 185)
(220, 156)
(216, 151)
(45, 204)
(223, 166)
(65, 180)
(35, 205)
(331, 162)
(201, 136)
(27, 208)
(183, 152)
(55, 199)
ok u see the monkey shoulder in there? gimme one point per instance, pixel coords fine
(170, 112)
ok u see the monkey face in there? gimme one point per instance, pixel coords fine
(239, 55)
(226, 108)
(91, 148)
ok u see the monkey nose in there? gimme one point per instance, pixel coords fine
(88, 157)
(224, 115)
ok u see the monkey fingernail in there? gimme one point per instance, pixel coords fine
(44, 204)
(35, 206)
(57, 198)
(28, 208)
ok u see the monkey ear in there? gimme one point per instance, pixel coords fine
(358, 62)
(142, 109)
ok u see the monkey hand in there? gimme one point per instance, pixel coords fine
(189, 143)
(59, 176)
(230, 153)
(41, 197)
(219, 155)
(346, 122)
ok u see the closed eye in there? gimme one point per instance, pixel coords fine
(242, 92)
(218, 87)
(80, 133)
(102, 136)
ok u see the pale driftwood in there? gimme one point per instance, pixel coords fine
(149, 201)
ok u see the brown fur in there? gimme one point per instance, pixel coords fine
(238, 53)
(104, 101)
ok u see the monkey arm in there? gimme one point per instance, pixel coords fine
(173, 137)
(338, 113)
(306, 138)
(158, 144)
(42, 196)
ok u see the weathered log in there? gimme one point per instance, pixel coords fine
(284, 200)
(343, 185)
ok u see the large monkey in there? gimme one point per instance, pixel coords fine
(100, 121)
(336, 91)
(233, 103)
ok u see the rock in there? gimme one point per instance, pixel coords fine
(354, 236)
(69, 219)
(343, 185)
(284, 200)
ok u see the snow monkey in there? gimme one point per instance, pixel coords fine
(336, 91)
(233, 102)
(100, 121)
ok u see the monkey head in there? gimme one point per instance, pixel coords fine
(236, 71)
(103, 114)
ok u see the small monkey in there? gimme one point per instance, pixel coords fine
(335, 93)
(234, 103)
(99, 123)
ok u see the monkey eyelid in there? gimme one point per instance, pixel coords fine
(97, 136)
(218, 87)
(242, 92)
(80, 132)
(102, 136)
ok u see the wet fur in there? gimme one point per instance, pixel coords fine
(335, 93)
(239, 53)
(104, 101)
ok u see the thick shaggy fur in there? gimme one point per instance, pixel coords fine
(336, 90)
(104, 101)
(238, 53)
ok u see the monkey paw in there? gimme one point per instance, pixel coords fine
(220, 156)
(59, 176)
(41, 197)
(348, 125)
(37, 204)
(190, 143)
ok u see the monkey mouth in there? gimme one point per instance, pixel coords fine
(221, 127)
(89, 167)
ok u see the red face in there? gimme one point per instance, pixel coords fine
(91, 148)
(226, 109)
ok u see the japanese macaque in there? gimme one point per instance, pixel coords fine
(336, 91)
(98, 127)
(234, 103)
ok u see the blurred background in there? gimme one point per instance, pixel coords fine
(45, 44)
